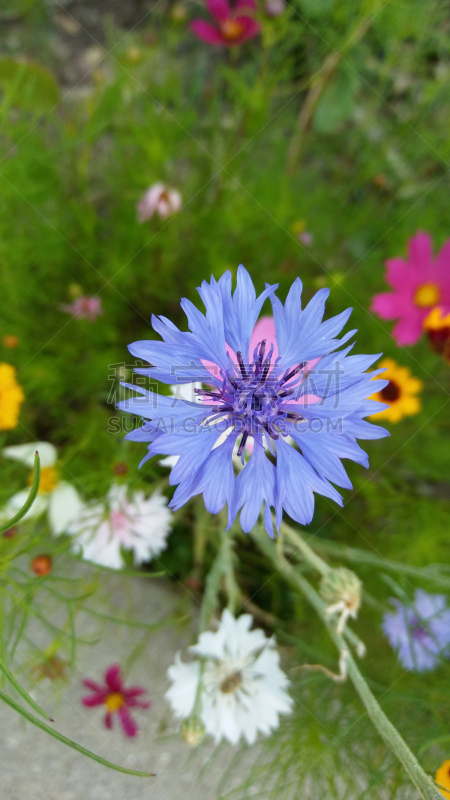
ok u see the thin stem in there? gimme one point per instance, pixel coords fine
(30, 499)
(387, 731)
(316, 561)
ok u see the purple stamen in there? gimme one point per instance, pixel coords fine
(253, 398)
(293, 372)
(242, 444)
(241, 364)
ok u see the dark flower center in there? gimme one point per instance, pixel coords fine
(418, 631)
(391, 392)
(253, 398)
(231, 683)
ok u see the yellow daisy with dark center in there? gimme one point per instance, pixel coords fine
(400, 393)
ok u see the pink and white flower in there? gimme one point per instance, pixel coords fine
(116, 698)
(160, 200)
(420, 283)
(84, 308)
(233, 24)
(136, 524)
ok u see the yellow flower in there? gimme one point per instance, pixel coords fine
(400, 393)
(442, 777)
(11, 397)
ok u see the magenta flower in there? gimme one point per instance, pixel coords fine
(84, 308)
(116, 699)
(419, 284)
(234, 25)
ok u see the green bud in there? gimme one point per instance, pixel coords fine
(192, 730)
(342, 586)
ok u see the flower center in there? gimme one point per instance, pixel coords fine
(232, 29)
(391, 392)
(114, 701)
(48, 480)
(426, 295)
(164, 197)
(253, 397)
(418, 631)
(231, 683)
(119, 521)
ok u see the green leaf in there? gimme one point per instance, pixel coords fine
(69, 742)
(336, 105)
(20, 690)
(29, 85)
(31, 497)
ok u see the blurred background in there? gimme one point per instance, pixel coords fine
(316, 148)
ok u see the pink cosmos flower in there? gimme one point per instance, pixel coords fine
(160, 200)
(234, 25)
(84, 308)
(419, 284)
(116, 699)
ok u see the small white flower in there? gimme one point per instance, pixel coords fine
(244, 689)
(138, 524)
(59, 498)
(158, 199)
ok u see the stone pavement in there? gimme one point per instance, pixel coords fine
(34, 766)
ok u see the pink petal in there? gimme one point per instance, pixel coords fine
(132, 702)
(420, 252)
(128, 724)
(245, 5)
(251, 29)
(94, 700)
(113, 678)
(108, 720)
(399, 274)
(442, 271)
(206, 32)
(96, 687)
(219, 9)
(133, 691)
(388, 306)
(409, 329)
(264, 329)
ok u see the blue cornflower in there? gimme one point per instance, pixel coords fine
(419, 632)
(298, 413)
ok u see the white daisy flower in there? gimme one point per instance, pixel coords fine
(244, 689)
(138, 524)
(59, 498)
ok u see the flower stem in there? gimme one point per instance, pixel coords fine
(387, 731)
(316, 561)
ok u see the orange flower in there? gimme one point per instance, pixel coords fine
(11, 397)
(10, 340)
(437, 328)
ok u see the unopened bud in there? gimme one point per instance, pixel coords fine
(192, 731)
(341, 590)
(41, 565)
